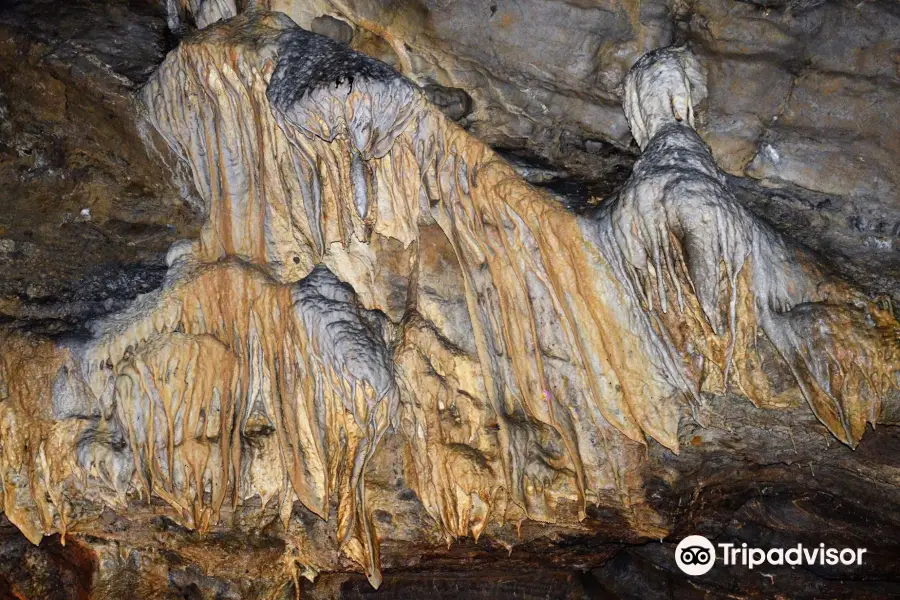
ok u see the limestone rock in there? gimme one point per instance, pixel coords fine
(795, 105)
(584, 52)
(383, 321)
(805, 79)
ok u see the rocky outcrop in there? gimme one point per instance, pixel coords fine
(383, 321)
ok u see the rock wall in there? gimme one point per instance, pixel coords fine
(803, 99)
(372, 282)
(88, 210)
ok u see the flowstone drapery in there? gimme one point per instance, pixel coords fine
(368, 269)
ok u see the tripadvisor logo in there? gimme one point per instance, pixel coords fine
(696, 555)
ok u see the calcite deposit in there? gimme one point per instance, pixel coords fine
(803, 96)
(370, 275)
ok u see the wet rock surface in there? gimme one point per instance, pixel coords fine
(810, 116)
(802, 112)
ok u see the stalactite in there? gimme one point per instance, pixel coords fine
(367, 268)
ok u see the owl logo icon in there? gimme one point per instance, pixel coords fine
(695, 555)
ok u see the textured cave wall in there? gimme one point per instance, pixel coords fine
(803, 102)
(88, 210)
(539, 80)
(777, 471)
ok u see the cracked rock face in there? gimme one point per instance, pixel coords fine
(386, 352)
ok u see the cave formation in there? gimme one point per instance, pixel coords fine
(380, 351)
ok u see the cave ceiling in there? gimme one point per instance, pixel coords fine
(340, 298)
